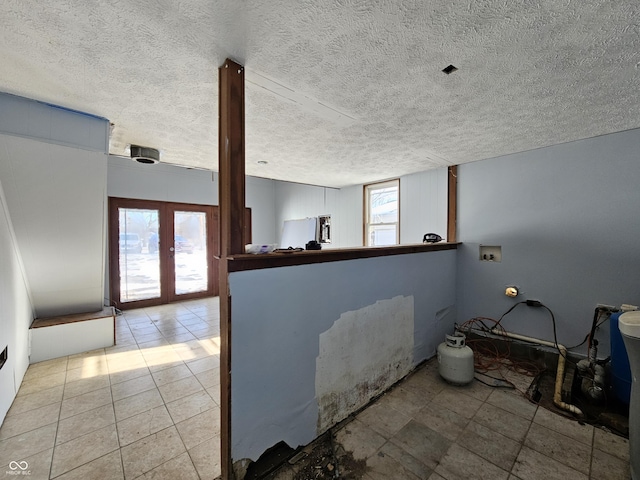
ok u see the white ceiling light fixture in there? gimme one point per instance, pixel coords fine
(305, 102)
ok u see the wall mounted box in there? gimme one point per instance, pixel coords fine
(490, 253)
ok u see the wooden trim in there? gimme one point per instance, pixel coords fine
(231, 197)
(238, 263)
(452, 203)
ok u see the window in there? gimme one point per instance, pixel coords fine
(382, 219)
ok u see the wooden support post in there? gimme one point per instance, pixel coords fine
(231, 198)
(452, 204)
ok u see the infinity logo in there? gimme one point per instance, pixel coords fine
(18, 465)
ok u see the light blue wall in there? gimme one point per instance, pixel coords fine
(566, 217)
(279, 314)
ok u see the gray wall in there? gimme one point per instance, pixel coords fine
(566, 217)
(423, 207)
(281, 314)
(53, 169)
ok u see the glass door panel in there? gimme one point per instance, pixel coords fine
(191, 264)
(138, 256)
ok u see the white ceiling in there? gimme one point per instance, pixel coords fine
(531, 74)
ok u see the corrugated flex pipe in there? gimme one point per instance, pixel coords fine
(557, 394)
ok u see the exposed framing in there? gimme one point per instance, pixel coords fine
(452, 203)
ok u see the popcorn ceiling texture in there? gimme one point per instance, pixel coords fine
(531, 74)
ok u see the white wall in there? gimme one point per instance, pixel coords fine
(405, 302)
(169, 183)
(566, 217)
(15, 313)
(53, 169)
(423, 207)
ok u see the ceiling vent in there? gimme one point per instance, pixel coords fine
(145, 155)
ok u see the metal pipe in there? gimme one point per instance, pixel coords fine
(557, 395)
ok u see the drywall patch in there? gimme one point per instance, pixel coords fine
(363, 353)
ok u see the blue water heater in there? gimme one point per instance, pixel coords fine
(620, 370)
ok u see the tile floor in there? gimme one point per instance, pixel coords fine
(427, 429)
(146, 408)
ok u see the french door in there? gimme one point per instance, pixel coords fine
(161, 252)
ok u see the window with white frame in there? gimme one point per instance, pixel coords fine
(382, 214)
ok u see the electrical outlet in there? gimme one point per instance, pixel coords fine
(490, 253)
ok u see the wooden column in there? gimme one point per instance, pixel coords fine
(452, 204)
(231, 198)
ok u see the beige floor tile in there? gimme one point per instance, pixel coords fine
(85, 385)
(27, 444)
(385, 421)
(176, 338)
(566, 426)
(172, 374)
(611, 443)
(180, 388)
(406, 401)
(38, 466)
(203, 364)
(24, 403)
(31, 420)
(559, 447)
(106, 467)
(214, 393)
(88, 371)
(85, 402)
(190, 406)
(461, 464)
(531, 465)
(46, 368)
(359, 439)
(88, 361)
(37, 384)
(475, 389)
(180, 467)
(385, 467)
(501, 421)
(124, 375)
(435, 476)
(444, 421)
(150, 452)
(513, 402)
(424, 383)
(84, 423)
(143, 424)
(490, 445)
(455, 400)
(138, 403)
(81, 450)
(607, 466)
(209, 378)
(206, 458)
(420, 441)
(160, 360)
(200, 428)
(132, 387)
(409, 463)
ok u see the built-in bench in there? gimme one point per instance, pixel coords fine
(55, 337)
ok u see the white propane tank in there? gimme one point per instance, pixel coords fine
(455, 360)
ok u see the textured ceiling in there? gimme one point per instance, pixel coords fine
(531, 74)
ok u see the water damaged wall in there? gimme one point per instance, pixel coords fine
(356, 362)
(313, 343)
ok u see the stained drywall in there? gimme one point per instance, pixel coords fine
(279, 315)
(567, 220)
(363, 353)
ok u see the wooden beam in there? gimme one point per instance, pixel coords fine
(231, 199)
(452, 204)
